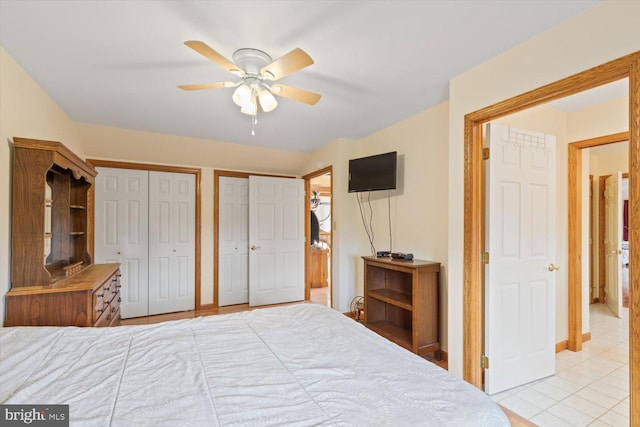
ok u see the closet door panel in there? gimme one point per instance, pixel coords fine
(171, 242)
(233, 241)
(121, 233)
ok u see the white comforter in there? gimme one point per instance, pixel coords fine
(297, 365)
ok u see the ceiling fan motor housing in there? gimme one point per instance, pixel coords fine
(251, 60)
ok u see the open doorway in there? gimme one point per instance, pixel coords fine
(319, 190)
(473, 227)
(606, 161)
(519, 146)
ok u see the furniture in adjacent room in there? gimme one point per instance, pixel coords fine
(401, 302)
(53, 281)
(319, 267)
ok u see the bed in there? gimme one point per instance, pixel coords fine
(299, 365)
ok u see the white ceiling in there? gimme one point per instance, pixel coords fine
(117, 63)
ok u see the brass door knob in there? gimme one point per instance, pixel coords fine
(553, 267)
(254, 247)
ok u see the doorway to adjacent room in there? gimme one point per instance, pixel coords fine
(319, 191)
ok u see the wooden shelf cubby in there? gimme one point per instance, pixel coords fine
(401, 302)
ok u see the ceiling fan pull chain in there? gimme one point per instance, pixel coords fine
(254, 120)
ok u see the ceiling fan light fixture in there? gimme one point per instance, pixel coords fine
(267, 101)
(242, 95)
(251, 107)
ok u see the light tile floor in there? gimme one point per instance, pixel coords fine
(590, 388)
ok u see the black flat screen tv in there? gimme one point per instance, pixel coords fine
(373, 173)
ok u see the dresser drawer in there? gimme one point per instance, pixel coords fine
(103, 297)
(110, 315)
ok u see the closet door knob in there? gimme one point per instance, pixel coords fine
(254, 247)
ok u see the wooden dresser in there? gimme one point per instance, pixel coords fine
(53, 279)
(88, 298)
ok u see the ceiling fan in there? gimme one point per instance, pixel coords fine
(256, 71)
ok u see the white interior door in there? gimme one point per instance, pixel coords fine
(520, 276)
(121, 235)
(171, 242)
(276, 239)
(233, 241)
(613, 242)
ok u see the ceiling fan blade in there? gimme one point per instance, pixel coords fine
(204, 50)
(204, 86)
(296, 94)
(293, 61)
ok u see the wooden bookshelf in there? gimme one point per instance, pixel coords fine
(401, 302)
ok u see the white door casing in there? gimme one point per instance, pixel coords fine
(613, 242)
(233, 241)
(171, 242)
(121, 234)
(520, 276)
(276, 240)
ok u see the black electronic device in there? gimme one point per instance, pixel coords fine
(383, 253)
(373, 173)
(401, 256)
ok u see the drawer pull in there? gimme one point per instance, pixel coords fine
(113, 309)
(100, 295)
(100, 310)
(119, 299)
(109, 316)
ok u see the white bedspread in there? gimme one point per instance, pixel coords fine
(297, 365)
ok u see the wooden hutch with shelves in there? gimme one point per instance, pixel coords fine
(53, 281)
(401, 302)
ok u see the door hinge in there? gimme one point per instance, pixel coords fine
(485, 257)
(484, 361)
(485, 153)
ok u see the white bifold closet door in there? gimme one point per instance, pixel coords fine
(233, 241)
(261, 240)
(122, 233)
(171, 242)
(146, 221)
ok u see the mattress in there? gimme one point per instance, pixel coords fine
(299, 365)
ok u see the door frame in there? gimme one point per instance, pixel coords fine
(575, 202)
(307, 231)
(216, 219)
(473, 304)
(198, 203)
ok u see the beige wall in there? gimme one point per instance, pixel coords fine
(608, 163)
(418, 214)
(598, 120)
(25, 111)
(605, 32)
(146, 147)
